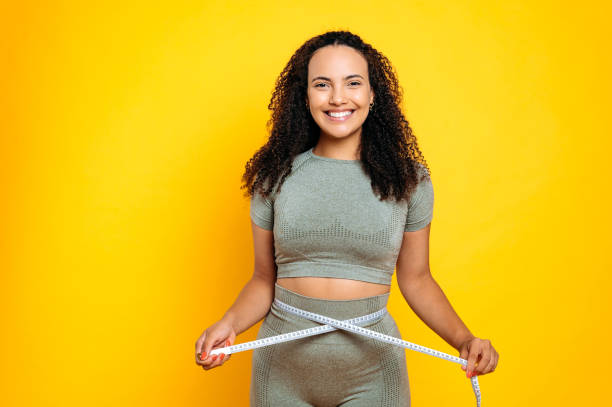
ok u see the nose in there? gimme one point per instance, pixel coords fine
(337, 96)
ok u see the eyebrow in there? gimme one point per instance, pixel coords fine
(345, 78)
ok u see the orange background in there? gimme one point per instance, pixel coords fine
(125, 131)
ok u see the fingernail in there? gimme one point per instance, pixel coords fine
(214, 357)
(203, 356)
(227, 343)
(221, 356)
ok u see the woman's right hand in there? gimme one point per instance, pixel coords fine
(218, 335)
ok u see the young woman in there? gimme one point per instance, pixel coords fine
(341, 197)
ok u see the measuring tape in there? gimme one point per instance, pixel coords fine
(350, 325)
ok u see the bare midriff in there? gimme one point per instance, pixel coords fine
(332, 288)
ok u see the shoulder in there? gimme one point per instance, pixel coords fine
(423, 177)
(299, 159)
(296, 162)
(424, 186)
(421, 171)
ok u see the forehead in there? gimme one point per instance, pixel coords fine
(337, 61)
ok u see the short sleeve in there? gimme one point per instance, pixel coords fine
(262, 211)
(420, 207)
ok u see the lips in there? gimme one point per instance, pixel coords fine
(339, 111)
(341, 118)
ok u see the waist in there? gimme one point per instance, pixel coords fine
(339, 309)
(332, 288)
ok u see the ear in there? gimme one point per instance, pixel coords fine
(371, 96)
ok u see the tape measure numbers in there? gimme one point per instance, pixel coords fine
(351, 325)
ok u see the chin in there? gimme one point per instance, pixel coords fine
(334, 133)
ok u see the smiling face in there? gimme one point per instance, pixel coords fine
(339, 93)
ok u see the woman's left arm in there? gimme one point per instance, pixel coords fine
(428, 301)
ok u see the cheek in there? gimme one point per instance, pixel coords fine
(363, 99)
(318, 99)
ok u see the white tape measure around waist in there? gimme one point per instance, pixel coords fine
(350, 325)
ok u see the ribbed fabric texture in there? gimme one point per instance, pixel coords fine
(337, 368)
(327, 221)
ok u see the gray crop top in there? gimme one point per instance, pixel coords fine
(327, 221)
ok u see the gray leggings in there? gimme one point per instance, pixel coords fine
(337, 368)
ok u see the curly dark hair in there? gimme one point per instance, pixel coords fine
(388, 149)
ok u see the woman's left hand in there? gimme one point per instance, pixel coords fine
(481, 356)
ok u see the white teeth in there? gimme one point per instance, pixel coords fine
(341, 114)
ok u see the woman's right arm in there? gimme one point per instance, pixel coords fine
(255, 299)
(251, 305)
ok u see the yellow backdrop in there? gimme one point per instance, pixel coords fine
(126, 127)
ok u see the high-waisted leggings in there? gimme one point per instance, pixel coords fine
(337, 368)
